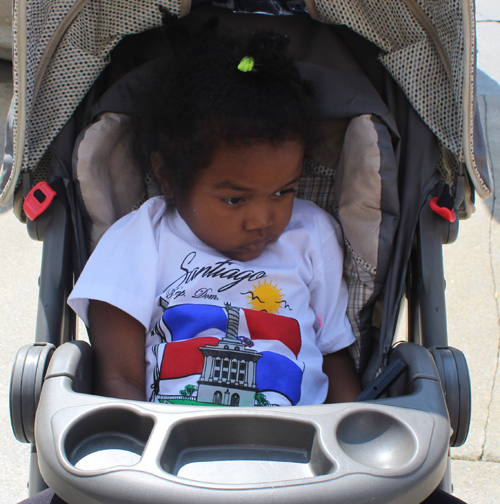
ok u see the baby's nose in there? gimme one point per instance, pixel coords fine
(259, 218)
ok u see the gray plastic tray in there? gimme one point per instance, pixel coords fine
(94, 449)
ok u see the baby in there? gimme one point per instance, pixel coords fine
(226, 290)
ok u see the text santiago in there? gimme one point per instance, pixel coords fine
(221, 269)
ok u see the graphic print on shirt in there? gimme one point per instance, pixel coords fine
(229, 274)
(266, 297)
(222, 279)
(226, 356)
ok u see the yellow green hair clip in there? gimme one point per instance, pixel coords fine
(247, 64)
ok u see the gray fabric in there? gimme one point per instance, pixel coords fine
(390, 204)
(366, 191)
(417, 177)
(358, 189)
(108, 182)
(8, 151)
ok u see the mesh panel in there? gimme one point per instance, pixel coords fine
(446, 18)
(407, 52)
(77, 61)
(43, 168)
(47, 115)
(447, 166)
(442, 113)
(40, 25)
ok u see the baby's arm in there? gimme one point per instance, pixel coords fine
(344, 384)
(118, 343)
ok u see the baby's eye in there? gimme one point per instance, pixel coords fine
(232, 201)
(285, 192)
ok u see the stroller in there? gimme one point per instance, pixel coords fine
(404, 155)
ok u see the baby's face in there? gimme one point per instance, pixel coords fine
(243, 201)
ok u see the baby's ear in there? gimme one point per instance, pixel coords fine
(158, 169)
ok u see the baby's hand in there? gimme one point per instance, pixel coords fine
(344, 384)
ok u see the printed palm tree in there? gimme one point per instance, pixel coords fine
(187, 391)
(260, 399)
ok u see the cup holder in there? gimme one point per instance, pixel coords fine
(376, 440)
(244, 450)
(107, 438)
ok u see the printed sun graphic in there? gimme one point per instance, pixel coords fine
(265, 297)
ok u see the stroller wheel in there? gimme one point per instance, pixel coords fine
(27, 377)
(455, 380)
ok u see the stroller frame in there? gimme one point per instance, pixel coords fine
(56, 325)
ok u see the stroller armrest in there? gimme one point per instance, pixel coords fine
(95, 449)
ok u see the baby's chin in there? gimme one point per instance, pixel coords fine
(251, 251)
(243, 256)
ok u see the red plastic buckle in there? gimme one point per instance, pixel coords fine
(38, 200)
(444, 212)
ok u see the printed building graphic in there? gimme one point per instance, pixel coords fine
(206, 356)
(229, 369)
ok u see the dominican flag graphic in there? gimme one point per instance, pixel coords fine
(227, 352)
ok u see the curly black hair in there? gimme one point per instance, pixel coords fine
(204, 101)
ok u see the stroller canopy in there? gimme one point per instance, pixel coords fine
(61, 47)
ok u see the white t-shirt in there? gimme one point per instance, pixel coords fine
(220, 331)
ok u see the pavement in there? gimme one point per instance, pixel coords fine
(472, 269)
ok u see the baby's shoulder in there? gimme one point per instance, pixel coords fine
(136, 224)
(308, 215)
(150, 211)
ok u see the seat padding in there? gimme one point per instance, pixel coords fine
(108, 182)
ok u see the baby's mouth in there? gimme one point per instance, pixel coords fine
(257, 245)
